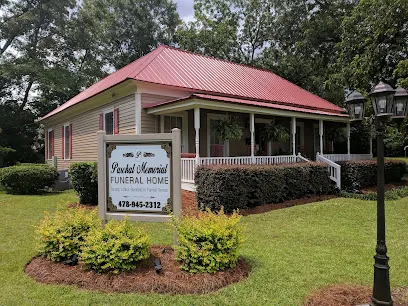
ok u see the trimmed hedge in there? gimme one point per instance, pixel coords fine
(362, 174)
(84, 180)
(8, 157)
(28, 179)
(246, 186)
(208, 242)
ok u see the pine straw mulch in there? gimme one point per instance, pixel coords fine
(269, 207)
(143, 279)
(387, 186)
(351, 295)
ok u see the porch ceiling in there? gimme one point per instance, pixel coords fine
(244, 106)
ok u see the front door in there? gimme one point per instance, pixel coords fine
(215, 147)
(180, 122)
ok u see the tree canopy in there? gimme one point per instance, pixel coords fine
(50, 50)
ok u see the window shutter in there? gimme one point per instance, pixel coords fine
(70, 140)
(52, 144)
(116, 121)
(101, 122)
(63, 143)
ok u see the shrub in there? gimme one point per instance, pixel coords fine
(27, 179)
(362, 174)
(116, 247)
(8, 157)
(241, 187)
(84, 179)
(62, 234)
(208, 242)
(390, 195)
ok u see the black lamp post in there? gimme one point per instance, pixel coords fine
(386, 103)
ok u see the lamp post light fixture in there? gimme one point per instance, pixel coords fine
(400, 103)
(386, 103)
(355, 105)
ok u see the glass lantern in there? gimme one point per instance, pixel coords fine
(382, 98)
(356, 105)
(400, 103)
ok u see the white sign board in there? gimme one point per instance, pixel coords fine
(139, 176)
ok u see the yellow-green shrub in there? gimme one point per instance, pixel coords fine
(116, 247)
(208, 242)
(62, 234)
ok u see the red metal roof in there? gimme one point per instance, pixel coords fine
(178, 68)
(248, 102)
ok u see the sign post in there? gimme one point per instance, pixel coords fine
(139, 176)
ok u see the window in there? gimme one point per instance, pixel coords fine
(176, 121)
(109, 123)
(67, 141)
(50, 138)
(171, 122)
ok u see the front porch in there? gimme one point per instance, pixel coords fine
(310, 136)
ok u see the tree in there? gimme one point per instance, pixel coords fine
(50, 50)
(127, 30)
(305, 34)
(236, 30)
(401, 73)
(373, 43)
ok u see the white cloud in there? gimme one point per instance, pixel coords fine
(185, 9)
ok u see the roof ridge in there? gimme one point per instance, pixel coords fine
(222, 60)
(243, 65)
(161, 48)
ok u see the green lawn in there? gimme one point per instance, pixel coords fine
(405, 159)
(293, 251)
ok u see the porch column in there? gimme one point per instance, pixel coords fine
(348, 138)
(197, 134)
(252, 130)
(293, 132)
(321, 136)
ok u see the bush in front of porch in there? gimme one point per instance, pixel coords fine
(361, 174)
(241, 187)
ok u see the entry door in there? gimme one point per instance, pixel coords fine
(215, 147)
(180, 122)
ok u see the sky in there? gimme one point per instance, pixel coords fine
(185, 9)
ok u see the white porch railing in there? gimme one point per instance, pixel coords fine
(333, 168)
(239, 160)
(346, 157)
(188, 165)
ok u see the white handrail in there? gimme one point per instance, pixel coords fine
(302, 159)
(333, 168)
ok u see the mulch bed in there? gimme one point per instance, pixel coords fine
(143, 279)
(387, 187)
(268, 207)
(351, 295)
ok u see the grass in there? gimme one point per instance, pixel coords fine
(293, 252)
(405, 159)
